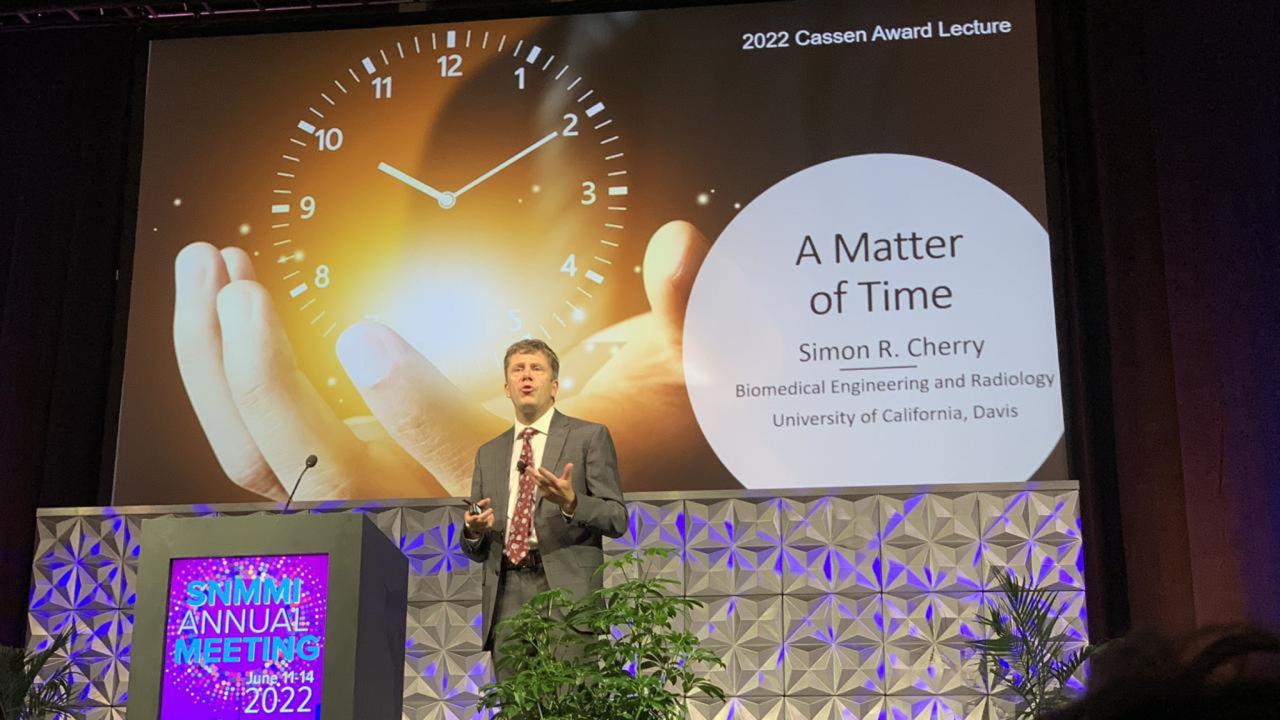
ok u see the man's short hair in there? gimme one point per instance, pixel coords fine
(532, 345)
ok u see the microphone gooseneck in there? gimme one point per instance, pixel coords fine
(308, 464)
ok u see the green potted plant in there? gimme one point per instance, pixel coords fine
(623, 652)
(22, 697)
(1024, 653)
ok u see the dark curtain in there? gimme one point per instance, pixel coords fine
(1125, 416)
(1213, 89)
(64, 118)
(1079, 256)
(1172, 207)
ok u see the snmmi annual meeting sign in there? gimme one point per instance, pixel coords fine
(244, 637)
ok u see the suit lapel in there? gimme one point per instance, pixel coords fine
(556, 435)
(501, 492)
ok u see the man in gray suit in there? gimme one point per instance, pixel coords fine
(547, 491)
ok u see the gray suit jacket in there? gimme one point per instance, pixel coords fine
(571, 551)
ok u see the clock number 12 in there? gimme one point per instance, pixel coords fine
(450, 65)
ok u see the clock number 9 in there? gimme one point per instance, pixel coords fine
(588, 193)
(322, 276)
(308, 205)
(330, 139)
(450, 65)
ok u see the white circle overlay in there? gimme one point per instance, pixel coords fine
(750, 314)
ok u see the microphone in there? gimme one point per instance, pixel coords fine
(474, 508)
(311, 462)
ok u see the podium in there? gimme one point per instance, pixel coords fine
(269, 617)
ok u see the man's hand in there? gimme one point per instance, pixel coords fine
(640, 394)
(558, 489)
(262, 416)
(259, 413)
(478, 525)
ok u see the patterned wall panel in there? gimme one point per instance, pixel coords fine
(732, 546)
(823, 606)
(654, 525)
(834, 645)
(830, 545)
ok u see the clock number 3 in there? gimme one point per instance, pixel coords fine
(588, 193)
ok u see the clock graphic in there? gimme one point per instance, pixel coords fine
(404, 202)
(467, 187)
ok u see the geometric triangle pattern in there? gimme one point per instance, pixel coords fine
(732, 546)
(835, 708)
(451, 676)
(653, 525)
(830, 545)
(822, 606)
(442, 626)
(931, 544)
(438, 569)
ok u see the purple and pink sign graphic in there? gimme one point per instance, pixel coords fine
(244, 637)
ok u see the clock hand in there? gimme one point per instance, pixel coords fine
(548, 138)
(446, 199)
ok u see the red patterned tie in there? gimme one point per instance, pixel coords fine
(522, 517)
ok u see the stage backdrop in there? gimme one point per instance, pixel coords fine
(777, 245)
(856, 604)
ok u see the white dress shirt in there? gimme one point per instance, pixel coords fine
(538, 441)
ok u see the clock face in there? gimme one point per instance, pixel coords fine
(465, 186)
(470, 184)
